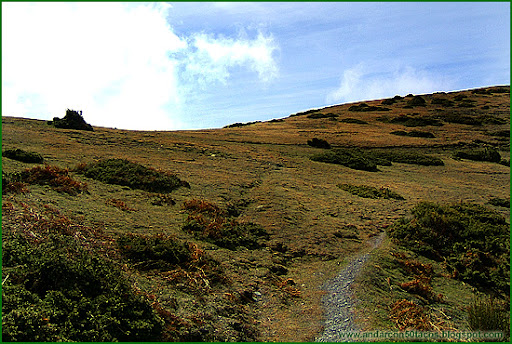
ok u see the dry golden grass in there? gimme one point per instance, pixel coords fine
(314, 226)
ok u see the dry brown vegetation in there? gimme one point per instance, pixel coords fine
(260, 174)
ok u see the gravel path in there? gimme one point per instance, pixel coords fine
(338, 301)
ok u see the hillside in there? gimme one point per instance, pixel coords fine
(255, 226)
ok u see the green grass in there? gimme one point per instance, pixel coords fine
(479, 154)
(366, 191)
(127, 173)
(354, 159)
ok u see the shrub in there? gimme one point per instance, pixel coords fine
(208, 222)
(407, 157)
(72, 120)
(23, 156)
(127, 173)
(363, 107)
(500, 202)
(471, 239)
(479, 154)
(389, 101)
(154, 252)
(56, 177)
(442, 101)
(317, 115)
(366, 191)
(416, 101)
(10, 186)
(412, 121)
(413, 133)
(57, 291)
(319, 143)
(353, 120)
(354, 159)
(238, 124)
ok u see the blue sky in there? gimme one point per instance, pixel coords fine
(191, 65)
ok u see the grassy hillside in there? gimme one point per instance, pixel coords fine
(228, 234)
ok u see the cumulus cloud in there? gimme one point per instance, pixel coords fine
(212, 58)
(362, 82)
(121, 63)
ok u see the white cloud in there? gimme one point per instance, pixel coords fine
(364, 83)
(118, 62)
(211, 59)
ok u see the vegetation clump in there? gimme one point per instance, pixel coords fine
(210, 223)
(500, 202)
(442, 101)
(406, 157)
(351, 158)
(55, 290)
(57, 178)
(238, 124)
(319, 143)
(411, 120)
(487, 314)
(479, 154)
(23, 156)
(414, 133)
(363, 107)
(317, 115)
(72, 120)
(136, 176)
(353, 120)
(417, 101)
(471, 239)
(366, 191)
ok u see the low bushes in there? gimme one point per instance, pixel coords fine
(479, 154)
(413, 133)
(57, 291)
(500, 202)
(416, 101)
(56, 177)
(319, 143)
(366, 191)
(127, 173)
(472, 240)
(317, 115)
(23, 156)
(411, 120)
(367, 160)
(353, 120)
(210, 223)
(363, 107)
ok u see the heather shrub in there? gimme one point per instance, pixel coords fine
(442, 101)
(23, 156)
(351, 158)
(56, 177)
(479, 154)
(55, 290)
(406, 157)
(363, 107)
(319, 143)
(317, 115)
(366, 191)
(136, 176)
(413, 133)
(416, 101)
(353, 120)
(472, 240)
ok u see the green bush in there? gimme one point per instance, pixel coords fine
(153, 252)
(23, 156)
(473, 241)
(57, 291)
(319, 143)
(500, 202)
(442, 101)
(351, 158)
(366, 191)
(413, 133)
(238, 124)
(317, 115)
(479, 154)
(412, 120)
(353, 120)
(72, 120)
(127, 173)
(416, 101)
(406, 157)
(363, 107)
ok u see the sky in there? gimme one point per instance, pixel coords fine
(200, 65)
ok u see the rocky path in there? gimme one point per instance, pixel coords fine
(339, 301)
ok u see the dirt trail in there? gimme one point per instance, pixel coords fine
(339, 301)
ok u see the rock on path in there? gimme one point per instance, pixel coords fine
(339, 301)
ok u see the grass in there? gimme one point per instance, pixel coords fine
(366, 191)
(500, 202)
(126, 173)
